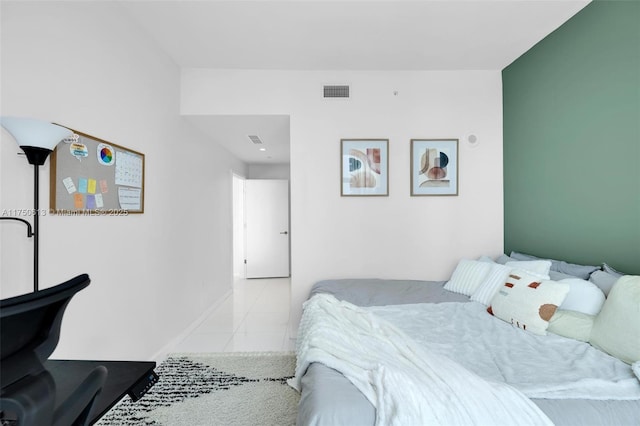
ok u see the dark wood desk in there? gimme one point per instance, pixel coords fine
(122, 378)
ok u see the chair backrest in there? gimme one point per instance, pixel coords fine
(30, 328)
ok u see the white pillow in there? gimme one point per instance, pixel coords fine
(540, 267)
(583, 297)
(492, 282)
(527, 302)
(468, 276)
(617, 326)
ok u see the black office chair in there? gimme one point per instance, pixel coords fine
(30, 331)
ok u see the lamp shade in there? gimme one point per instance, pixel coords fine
(37, 138)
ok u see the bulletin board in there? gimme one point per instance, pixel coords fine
(93, 176)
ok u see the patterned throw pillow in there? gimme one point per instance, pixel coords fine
(527, 302)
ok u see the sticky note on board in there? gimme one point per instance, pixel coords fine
(82, 185)
(104, 188)
(68, 183)
(91, 186)
(91, 202)
(78, 201)
(99, 201)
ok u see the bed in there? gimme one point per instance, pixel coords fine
(329, 398)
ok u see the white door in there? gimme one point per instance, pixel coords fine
(267, 233)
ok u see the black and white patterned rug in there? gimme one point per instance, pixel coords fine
(215, 389)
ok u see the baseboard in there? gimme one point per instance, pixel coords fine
(161, 355)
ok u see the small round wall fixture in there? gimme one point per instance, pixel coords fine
(472, 140)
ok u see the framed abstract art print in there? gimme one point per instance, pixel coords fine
(434, 167)
(364, 167)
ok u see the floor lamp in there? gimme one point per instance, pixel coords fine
(37, 139)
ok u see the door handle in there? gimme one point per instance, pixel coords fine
(284, 232)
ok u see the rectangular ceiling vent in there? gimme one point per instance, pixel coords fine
(256, 140)
(336, 91)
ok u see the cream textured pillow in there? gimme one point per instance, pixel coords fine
(539, 267)
(468, 276)
(571, 324)
(527, 302)
(616, 329)
(583, 297)
(492, 282)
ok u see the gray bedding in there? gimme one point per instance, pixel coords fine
(328, 398)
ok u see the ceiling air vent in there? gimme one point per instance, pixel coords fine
(336, 91)
(256, 140)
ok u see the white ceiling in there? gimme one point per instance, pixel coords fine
(343, 35)
(232, 132)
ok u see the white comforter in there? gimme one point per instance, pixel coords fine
(405, 382)
(548, 367)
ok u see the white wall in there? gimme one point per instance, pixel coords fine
(269, 171)
(388, 237)
(239, 271)
(86, 66)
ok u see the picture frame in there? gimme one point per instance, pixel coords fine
(364, 167)
(434, 167)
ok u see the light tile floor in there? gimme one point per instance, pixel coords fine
(254, 318)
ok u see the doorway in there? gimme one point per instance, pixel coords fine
(261, 238)
(267, 228)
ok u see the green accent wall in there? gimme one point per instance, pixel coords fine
(572, 141)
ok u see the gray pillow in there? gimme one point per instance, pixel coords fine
(503, 259)
(522, 256)
(557, 276)
(573, 269)
(604, 281)
(609, 270)
(580, 271)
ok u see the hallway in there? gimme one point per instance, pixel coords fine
(254, 318)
